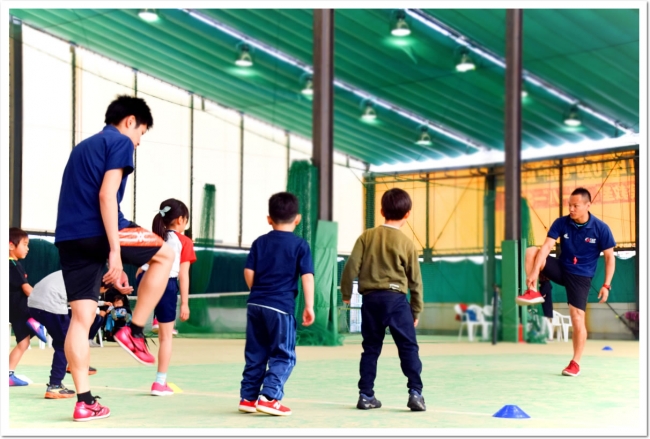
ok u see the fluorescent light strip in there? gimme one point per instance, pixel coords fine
(342, 85)
(459, 38)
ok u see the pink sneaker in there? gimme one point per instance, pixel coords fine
(90, 412)
(158, 389)
(137, 347)
(530, 297)
(272, 407)
(247, 406)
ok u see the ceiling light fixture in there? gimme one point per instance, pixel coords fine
(244, 59)
(572, 118)
(149, 15)
(369, 113)
(308, 89)
(530, 78)
(425, 137)
(466, 62)
(400, 28)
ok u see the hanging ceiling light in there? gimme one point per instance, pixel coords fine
(425, 137)
(465, 63)
(369, 113)
(524, 93)
(308, 89)
(400, 28)
(148, 15)
(572, 118)
(244, 59)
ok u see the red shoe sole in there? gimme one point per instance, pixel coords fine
(247, 409)
(92, 418)
(523, 302)
(272, 411)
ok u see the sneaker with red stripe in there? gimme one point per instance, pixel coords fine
(247, 406)
(572, 370)
(272, 407)
(90, 412)
(136, 346)
(530, 297)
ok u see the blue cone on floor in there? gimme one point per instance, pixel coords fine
(608, 348)
(511, 411)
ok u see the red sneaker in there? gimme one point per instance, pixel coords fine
(530, 297)
(272, 407)
(247, 406)
(572, 370)
(90, 412)
(137, 347)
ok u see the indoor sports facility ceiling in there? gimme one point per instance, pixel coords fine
(588, 57)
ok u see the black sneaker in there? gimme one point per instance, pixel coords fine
(416, 402)
(367, 402)
(58, 392)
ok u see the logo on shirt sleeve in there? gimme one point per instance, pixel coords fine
(566, 236)
(590, 240)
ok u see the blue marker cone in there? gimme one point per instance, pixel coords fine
(608, 348)
(511, 411)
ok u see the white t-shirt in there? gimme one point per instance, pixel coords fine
(50, 295)
(175, 244)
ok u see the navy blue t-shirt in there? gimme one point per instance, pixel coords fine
(581, 245)
(278, 260)
(78, 214)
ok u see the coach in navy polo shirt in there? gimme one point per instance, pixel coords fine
(582, 238)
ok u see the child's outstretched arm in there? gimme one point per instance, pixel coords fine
(308, 315)
(184, 283)
(248, 277)
(351, 270)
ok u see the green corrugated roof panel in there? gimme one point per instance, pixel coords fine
(594, 57)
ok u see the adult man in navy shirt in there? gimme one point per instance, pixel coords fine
(582, 238)
(91, 231)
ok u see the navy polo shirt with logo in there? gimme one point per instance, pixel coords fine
(78, 214)
(581, 245)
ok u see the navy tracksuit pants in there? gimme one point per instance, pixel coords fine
(382, 309)
(57, 327)
(270, 341)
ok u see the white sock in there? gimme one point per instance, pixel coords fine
(161, 378)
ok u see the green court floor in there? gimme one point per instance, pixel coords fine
(465, 384)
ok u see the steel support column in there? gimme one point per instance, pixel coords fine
(322, 109)
(512, 253)
(15, 122)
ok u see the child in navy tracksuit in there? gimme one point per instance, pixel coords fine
(274, 263)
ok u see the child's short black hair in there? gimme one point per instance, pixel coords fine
(395, 203)
(582, 192)
(16, 235)
(119, 297)
(283, 207)
(125, 106)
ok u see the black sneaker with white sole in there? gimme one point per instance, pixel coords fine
(368, 402)
(416, 402)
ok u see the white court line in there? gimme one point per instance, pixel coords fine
(343, 404)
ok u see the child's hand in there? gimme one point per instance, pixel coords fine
(185, 312)
(308, 316)
(415, 322)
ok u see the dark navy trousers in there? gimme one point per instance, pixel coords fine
(381, 310)
(57, 327)
(270, 352)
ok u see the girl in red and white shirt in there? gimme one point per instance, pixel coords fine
(169, 223)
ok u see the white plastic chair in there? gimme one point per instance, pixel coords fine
(465, 322)
(487, 324)
(561, 324)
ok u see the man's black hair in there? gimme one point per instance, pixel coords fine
(395, 203)
(125, 106)
(283, 207)
(583, 192)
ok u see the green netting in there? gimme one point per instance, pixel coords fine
(322, 238)
(42, 259)
(201, 270)
(324, 330)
